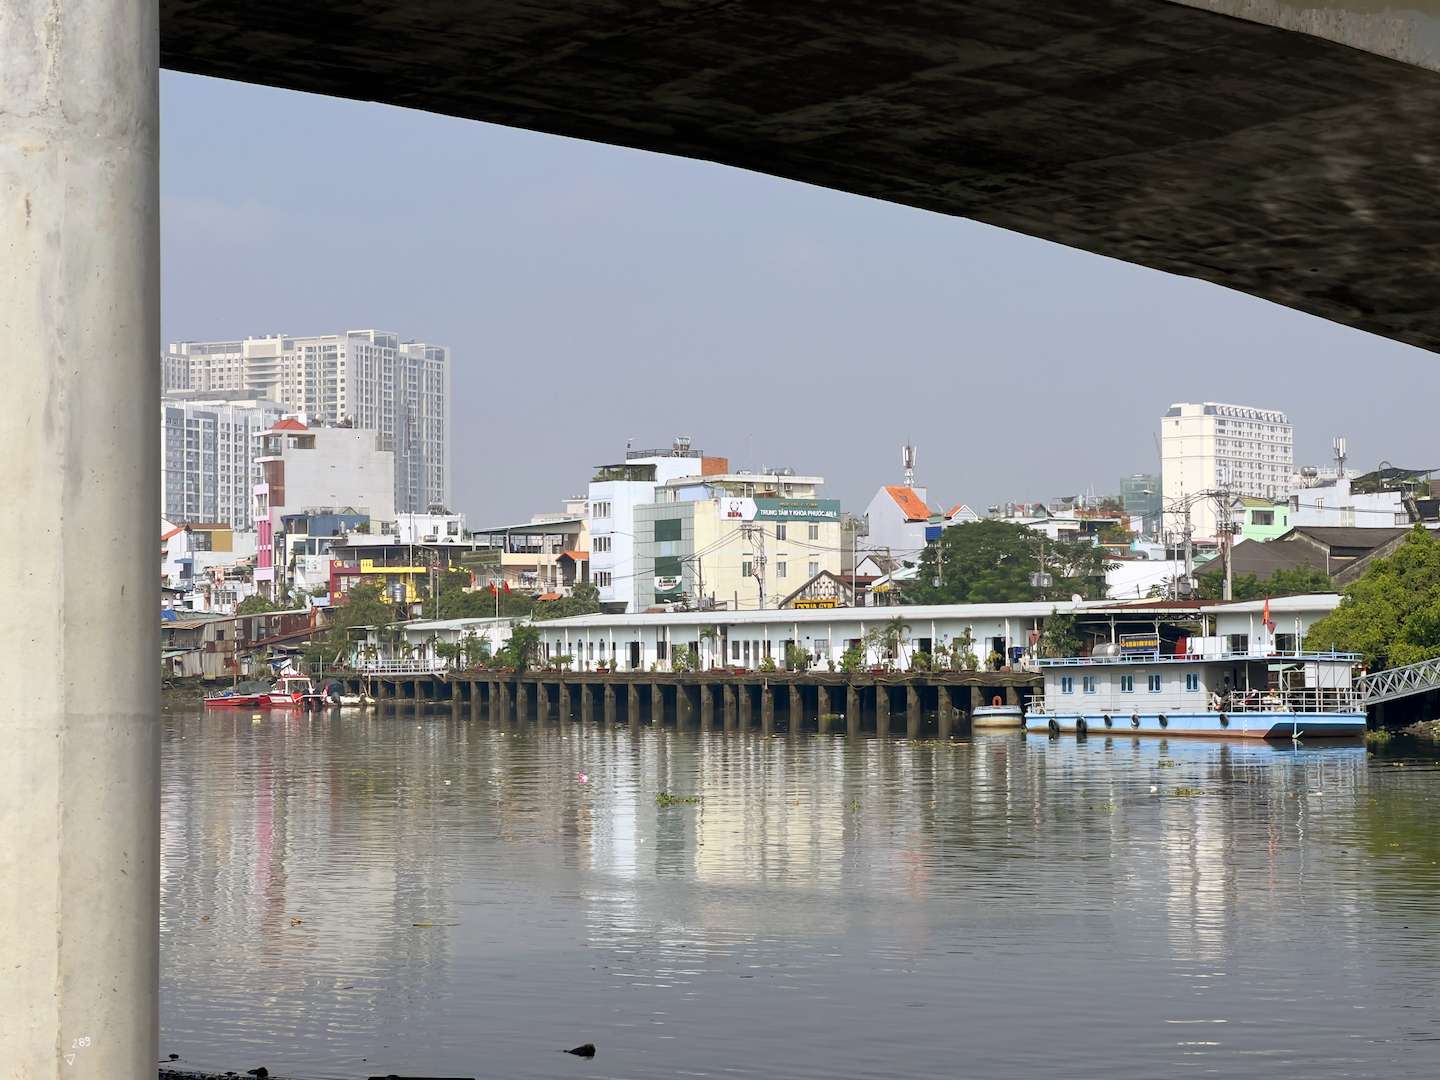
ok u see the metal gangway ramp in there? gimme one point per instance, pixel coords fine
(1400, 682)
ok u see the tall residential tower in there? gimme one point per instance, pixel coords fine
(1209, 446)
(368, 379)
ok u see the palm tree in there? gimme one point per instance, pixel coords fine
(896, 635)
(708, 636)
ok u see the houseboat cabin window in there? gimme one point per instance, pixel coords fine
(1286, 643)
(1192, 681)
(1067, 684)
(1127, 684)
(1089, 684)
(1154, 684)
(1239, 643)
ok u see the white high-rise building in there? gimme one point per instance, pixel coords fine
(366, 378)
(1209, 446)
(207, 457)
(615, 491)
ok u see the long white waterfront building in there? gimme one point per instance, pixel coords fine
(1006, 634)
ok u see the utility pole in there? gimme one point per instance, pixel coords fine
(756, 535)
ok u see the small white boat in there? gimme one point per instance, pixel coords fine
(1246, 695)
(997, 716)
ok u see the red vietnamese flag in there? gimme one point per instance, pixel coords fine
(1265, 617)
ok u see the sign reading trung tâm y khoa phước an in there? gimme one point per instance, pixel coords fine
(741, 509)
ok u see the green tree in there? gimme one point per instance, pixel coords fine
(364, 605)
(710, 642)
(1294, 581)
(986, 562)
(449, 651)
(519, 652)
(1390, 615)
(452, 598)
(254, 605)
(584, 599)
(1060, 636)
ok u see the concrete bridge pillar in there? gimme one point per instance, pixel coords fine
(745, 707)
(852, 709)
(657, 705)
(1012, 695)
(727, 706)
(566, 706)
(684, 707)
(609, 703)
(632, 705)
(767, 709)
(913, 714)
(796, 706)
(707, 706)
(945, 714)
(79, 308)
(542, 701)
(587, 704)
(882, 709)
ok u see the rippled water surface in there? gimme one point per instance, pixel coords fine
(346, 896)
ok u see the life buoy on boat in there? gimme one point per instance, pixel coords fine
(997, 700)
(1134, 719)
(1054, 726)
(1081, 727)
(1163, 721)
(1108, 721)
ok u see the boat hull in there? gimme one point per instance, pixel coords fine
(1254, 725)
(234, 701)
(997, 716)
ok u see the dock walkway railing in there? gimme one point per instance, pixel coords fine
(1394, 683)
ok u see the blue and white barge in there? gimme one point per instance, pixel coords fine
(1288, 695)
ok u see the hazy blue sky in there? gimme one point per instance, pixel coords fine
(593, 294)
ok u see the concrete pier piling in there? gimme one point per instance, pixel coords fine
(708, 700)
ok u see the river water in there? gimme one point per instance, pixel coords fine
(347, 896)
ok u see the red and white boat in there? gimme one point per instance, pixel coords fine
(292, 692)
(233, 699)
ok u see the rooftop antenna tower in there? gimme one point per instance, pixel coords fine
(1338, 446)
(907, 462)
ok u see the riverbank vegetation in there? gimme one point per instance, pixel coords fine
(1390, 615)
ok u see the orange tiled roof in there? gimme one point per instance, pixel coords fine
(578, 556)
(289, 424)
(910, 504)
(173, 532)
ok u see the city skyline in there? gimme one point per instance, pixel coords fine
(594, 295)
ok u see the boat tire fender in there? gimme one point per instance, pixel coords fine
(1224, 720)
(1108, 721)
(997, 700)
(1163, 722)
(1054, 726)
(1081, 727)
(1134, 719)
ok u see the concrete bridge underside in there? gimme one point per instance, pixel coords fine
(1282, 164)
